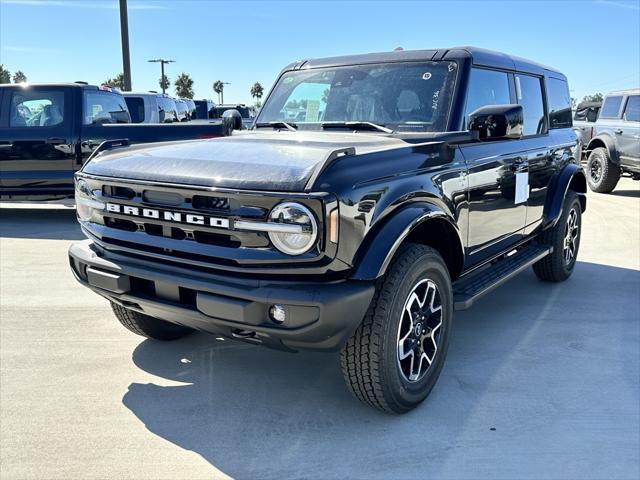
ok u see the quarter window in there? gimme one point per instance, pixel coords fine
(632, 110)
(529, 95)
(486, 87)
(38, 108)
(611, 107)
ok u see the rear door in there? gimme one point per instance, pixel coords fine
(37, 148)
(629, 138)
(496, 221)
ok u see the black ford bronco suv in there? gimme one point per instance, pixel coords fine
(374, 195)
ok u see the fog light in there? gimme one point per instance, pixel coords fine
(277, 313)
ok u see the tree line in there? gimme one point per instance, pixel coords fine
(6, 77)
(184, 86)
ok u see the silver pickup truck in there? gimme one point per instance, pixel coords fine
(614, 149)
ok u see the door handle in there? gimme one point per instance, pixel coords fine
(619, 131)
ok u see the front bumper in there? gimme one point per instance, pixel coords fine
(319, 316)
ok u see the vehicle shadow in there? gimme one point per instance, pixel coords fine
(529, 387)
(40, 223)
(635, 193)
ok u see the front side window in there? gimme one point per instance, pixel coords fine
(37, 108)
(611, 107)
(529, 95)
(407, 96)
(632, 110)
(104, 107)
(559, 103)
(486, 87)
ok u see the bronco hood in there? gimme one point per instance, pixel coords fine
(278, 161)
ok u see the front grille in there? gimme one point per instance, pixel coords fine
(191, 225)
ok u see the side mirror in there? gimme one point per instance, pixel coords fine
(235, 116)
(497, 122)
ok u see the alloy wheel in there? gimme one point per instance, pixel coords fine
(571, 232)
(419, 330)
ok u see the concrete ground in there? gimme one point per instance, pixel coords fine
(542, 380)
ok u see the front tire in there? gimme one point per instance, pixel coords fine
(564, 237)
(603, 174)
(147, 326)
(393, 359)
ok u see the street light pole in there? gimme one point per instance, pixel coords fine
(124, 34)
(222, 91)
(161, 61)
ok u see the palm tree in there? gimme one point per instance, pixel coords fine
(5, 76)
(164, 83)
(184, 86)
(19, 77)
(115, 82)
(256, 92)
(218, 87)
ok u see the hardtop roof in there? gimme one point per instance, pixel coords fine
(478, 56)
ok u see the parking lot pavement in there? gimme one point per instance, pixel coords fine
(542, 380)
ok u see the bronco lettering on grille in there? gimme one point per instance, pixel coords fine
(169, 216)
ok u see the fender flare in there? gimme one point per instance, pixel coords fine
(571, 176)
(380, 246)
(609, 144)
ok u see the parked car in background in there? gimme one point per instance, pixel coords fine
(584, 119)
(48, 131)
(183, 110)
(614, 149)
(191, 108)
(417, 182)
(151, 107)
(203, 107)
(245, 112)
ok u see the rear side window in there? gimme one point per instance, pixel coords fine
(632, 110)
(559, 103)
(486, 87)
(611, 107)
(104, 107)
(529, 95)
(36, 108)
(136, 108)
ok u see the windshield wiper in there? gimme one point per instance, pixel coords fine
(357, 125)
(292, 127)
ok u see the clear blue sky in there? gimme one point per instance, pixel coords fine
(595, 43)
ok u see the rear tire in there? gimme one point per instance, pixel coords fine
(147, 326)
(603, 174)
(564, 237)
(409, 318)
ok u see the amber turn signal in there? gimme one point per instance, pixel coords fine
(333, 226)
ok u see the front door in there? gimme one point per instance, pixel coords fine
(36, 149)
(496, 217)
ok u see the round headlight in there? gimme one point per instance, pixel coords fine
(298, 240)
(86, 201)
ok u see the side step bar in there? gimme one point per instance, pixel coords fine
(467, 290)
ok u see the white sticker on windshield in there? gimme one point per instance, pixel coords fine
(313, 109)
(426, 75)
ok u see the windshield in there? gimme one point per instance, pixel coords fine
(407, 96)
